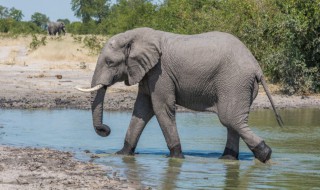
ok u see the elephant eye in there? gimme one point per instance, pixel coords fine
(109, 62)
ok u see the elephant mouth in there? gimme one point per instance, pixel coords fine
(95, 88)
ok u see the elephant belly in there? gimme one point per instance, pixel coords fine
(197, 102)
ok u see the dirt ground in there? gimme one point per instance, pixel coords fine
(45, 78)
(30, 168)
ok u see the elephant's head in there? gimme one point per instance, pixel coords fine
(62, 27)
(125, 57)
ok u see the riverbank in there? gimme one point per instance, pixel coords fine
(34, 168)
(121, 101)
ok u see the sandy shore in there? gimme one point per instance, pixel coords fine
(28, 82)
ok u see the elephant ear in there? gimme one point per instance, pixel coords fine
(142, 54)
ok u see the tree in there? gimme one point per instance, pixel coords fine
(129, 14)
(4, 12)
(296, 63)
(40, 20)
(185, 16)
(88, 10)
(65, 21)
(16, 14)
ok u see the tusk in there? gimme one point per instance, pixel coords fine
(89, 89)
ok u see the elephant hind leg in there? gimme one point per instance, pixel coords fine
(233, 113)
(231, 151)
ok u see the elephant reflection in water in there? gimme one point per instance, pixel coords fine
(171, 172)
(135, 174)
(232, 180)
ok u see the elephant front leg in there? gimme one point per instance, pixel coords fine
(165, 113)
(170, 132)
(231, 151)
(142, 114)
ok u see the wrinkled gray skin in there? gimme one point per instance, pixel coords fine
(206, 72)
(56, 28)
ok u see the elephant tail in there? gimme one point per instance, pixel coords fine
(266, 89)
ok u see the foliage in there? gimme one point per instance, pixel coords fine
(94, 43)
(65, 21)
(297, 63)
(14, 27)
(128, 14)
(35, 43)
(83, 28)
(4, 12)
(40, 20)
(10, 22)
(15, 14)
(12, 13)
(90, 9)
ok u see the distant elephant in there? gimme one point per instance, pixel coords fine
(56, 27)
(212, 71)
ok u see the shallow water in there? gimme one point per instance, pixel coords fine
(295, 159)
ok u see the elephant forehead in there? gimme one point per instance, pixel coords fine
(113, 55)
(112, 43)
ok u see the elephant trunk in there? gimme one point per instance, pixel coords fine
(97, 99)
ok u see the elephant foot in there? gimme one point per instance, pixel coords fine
(176, 152)
(230, 154)
(262, 152)
(126, 150)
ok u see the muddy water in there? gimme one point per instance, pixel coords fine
(295, 160)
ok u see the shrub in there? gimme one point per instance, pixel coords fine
(35, 43)
(18, 27)
(296, 61)
(94, 44)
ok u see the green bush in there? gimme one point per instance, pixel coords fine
(18, 27)
(94, 44)
(83, 28)
(76, 38)
(35, 43)
(296, 61)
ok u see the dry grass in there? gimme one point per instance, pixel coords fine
(63, 48)
(18, 41)
(11, 59)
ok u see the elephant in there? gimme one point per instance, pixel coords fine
(211, 72)
(56, 27)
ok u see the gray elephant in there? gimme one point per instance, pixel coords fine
(56, 28)
(212, 72)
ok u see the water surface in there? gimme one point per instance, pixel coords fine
(296, 152)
